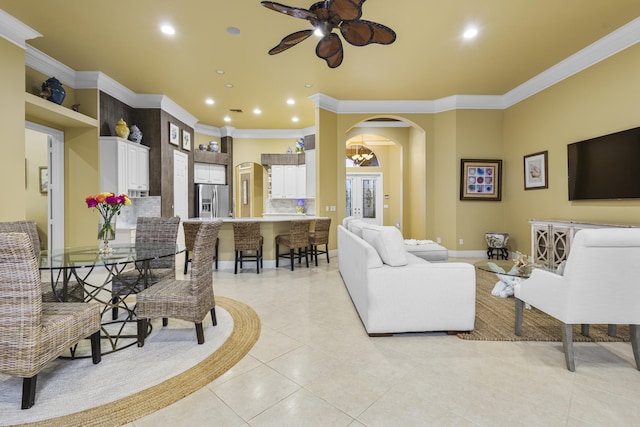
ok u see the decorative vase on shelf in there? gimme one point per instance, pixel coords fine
(55, 90)
(135, 134)
(122, 130)
(106, 232)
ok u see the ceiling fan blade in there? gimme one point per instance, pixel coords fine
(362, 33)
(296, 12)
(347, 10)
(330, 49)
(290, 41)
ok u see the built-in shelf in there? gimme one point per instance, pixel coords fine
(46, 112)
(282, 159)
(202, 156)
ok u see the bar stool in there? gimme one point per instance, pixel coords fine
(246, 237)
(320, 236)
(190, 232)
(297, 238)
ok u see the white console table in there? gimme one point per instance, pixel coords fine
(551, 239)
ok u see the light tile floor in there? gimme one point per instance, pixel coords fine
(314, 365)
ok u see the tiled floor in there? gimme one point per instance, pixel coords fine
(315, 366)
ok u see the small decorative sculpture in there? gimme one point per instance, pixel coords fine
(135, 134)
(55, 90)
(300, 145)
(122, 130)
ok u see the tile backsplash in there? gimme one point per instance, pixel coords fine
(288, 206)
(140, 206)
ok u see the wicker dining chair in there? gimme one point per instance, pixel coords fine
(297, 238)
(246, 237)
(148, 230)
(190, 232)
(73, 292)
(188, 300)
(34, 333)
(320, 236)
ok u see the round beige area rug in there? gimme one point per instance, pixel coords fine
(135, 382)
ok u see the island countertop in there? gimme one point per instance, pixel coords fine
(270, 227)
(269, 218)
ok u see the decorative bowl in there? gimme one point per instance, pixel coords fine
(496, 239)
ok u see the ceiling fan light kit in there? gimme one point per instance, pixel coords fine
(324, 16)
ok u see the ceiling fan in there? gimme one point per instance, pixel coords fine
(324, 16)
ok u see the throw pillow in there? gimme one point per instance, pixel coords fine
(347, 220)
(356, 227)
(389, 243)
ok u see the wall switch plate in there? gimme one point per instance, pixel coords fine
(461, 242)
(333, 208)
(438, 240)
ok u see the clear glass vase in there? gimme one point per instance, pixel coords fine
(106, 232)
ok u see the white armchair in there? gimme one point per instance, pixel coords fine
(600, 285)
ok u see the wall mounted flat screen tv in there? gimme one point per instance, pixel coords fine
(606, 167)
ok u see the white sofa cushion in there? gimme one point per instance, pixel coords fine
(347, 220)
(389, 243)
(355, 226)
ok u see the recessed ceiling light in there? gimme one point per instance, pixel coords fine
(308, 85)
(470, 33)
(227, 119)
(295, 119)
(257, 111)
(220, 71)
(233, 30)
(168, 29)
(209, 101)
(290, 101)
(229, 85)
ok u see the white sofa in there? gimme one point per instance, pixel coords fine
(395, 291)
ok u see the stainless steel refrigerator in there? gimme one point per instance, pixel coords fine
(212, 201)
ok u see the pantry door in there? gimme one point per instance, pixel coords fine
(364, 196)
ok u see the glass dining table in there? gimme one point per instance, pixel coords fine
(83, 274)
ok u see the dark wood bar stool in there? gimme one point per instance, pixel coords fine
(297, 238)
(246, 237)
(320, 236)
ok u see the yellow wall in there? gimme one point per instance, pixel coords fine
(600, 100)
(12, 171)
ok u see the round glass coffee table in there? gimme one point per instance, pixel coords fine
(508, 275)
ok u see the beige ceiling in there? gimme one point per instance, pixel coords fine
(518, 39)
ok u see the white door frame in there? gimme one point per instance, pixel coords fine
(379, 220)
(55, 194)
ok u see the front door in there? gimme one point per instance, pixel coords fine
(364, 197)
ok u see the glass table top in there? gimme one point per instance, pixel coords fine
(89, 256)
(506, 267)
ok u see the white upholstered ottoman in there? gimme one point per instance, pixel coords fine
(427, 249)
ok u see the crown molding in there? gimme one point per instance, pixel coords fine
(16, 31)
(614, 42)
(207, 130)
(45, 64)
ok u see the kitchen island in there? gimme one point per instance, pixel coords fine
(270, 227)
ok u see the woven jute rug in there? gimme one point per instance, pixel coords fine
(246, 331)
(495, 320)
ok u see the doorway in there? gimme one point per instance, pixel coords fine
(180, 185)
(44, 163)
(364, 197)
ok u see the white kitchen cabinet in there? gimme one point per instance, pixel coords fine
(288, 181)
(124, 167)
(209, 173)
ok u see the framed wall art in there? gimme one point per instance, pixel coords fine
(174, 134)
(44, 179)
(536, 171)
(480, 179)
(186, 140)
